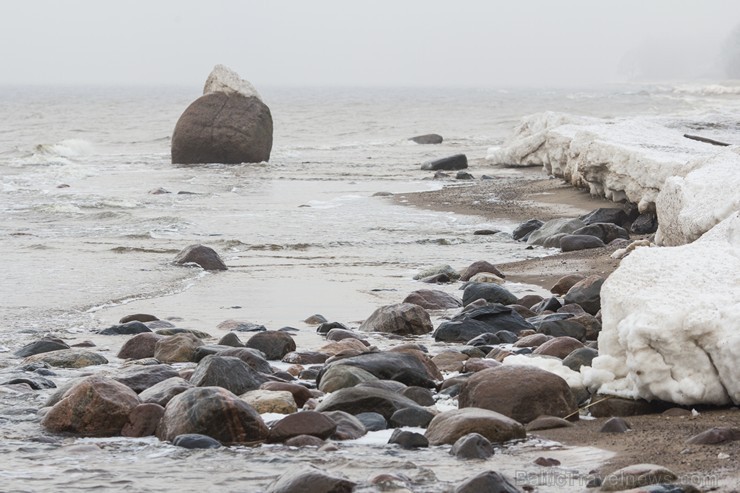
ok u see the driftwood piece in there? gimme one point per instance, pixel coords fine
(706, 140)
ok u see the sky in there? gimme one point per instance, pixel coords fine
(364, 43)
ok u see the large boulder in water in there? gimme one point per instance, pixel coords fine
(228, 124)
(401, 319)
(96, 407)
(214, 412)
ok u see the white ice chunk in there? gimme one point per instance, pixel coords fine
(223, 79)
(671, 323)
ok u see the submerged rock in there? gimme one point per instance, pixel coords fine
(201, 255)
(488, 481)
(310, 479)
(450, 163)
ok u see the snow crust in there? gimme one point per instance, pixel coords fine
(618, 159)
(671, 323)
(223, 79)
(690, 205)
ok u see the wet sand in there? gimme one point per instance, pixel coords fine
(525, 193)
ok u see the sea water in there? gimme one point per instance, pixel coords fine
(85, 241)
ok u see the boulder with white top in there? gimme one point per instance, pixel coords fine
(228, 124)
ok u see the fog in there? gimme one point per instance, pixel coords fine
(383, 42)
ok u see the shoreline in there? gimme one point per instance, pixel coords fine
(526, 193)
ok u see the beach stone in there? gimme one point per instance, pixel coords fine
(491, 292)
(487, 319)
(607, 406)
(714, 436)
(449, 426)
(550, 304)
(390, 385)
(548, 423)
(573, 242)
(344, 346)
(472, 446)
(408, 439)
(586, 293)
(485, 232)
(427, 139)
(565, 283)
(645, 224)
(474, 365)
(580, 357)
(591, 323)
(615, 425)
(143, 420)
(341, 334)
(195, 441)
(372, 421)
(488, 481)
(606, 232)
(529, 300)
(315, 319)
(573, 309)
(300, 393)
(95, 406)
(546, 462)
(355, 400)
(179, 348)
(676, 412)
(408, 367)
(326, 327)
(610, 215)
(45, 345)
(141, 378)
(68, 358)
(270, 401)
(432, 299)
(171, 331)
(420, 395)
(554, 240)
(450, 163)
(204, 256)
(414, 417)
(437, 270)
(533, 340)
(128, 328)
(400, 319)
(230, 339)
(35, 382)
(303, 423)
(227, 372)
(478, 267)
(223, 128)
(464, 175)
(252, 357)
(636, 476)
(450, 360)
(305, 357)
(161, 393)
(214, 412)
(240, 326)
(310, 479)
(554, 227)
(138, 317)
(486, 340)
(273, 343)
(560, 347)
(140, 346)
(348, 426)
(304, 441)
(525, 228)
(342, 377)
(519, 392)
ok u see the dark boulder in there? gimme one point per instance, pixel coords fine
(487, 319)
(303, 423)
(472, 446)
(573, 242)
(201, 255)
(355, 400)
(488, 481)
(373, 421)
(223, 128)
(45, 345)
(586, 293)
(215, 412)
(411, 367)
(448, 427)
(606, 232)
(432, 299)
(522, 231)
(195, 441)
(140, 346)
(143, 420)
(478, 267)
(492, 293)
(227, 372)
(138, 317)
(580, 357)
(416, 417)
(162, 392)
(609, 215)
(400, 319)
(408, 439)
(273, 343)
(140, 378)
(427, 139)
(310, 479)
(128, 328)
(645, 224)
(450, 163)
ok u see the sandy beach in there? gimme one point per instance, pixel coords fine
(526, 193)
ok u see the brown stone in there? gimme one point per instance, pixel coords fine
(143, 420)
(565, 283)
(140, 346)
(274, 343)
(533, 340)
(450, 360)
(403, 319)
(449, 426)
(303, 423)
(179, 348)
(477, 267)
(560, 347)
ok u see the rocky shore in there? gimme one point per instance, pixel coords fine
(470, 377)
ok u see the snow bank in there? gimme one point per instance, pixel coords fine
(223, 79)
(671, 323)
(689, 206)
(618, 159)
